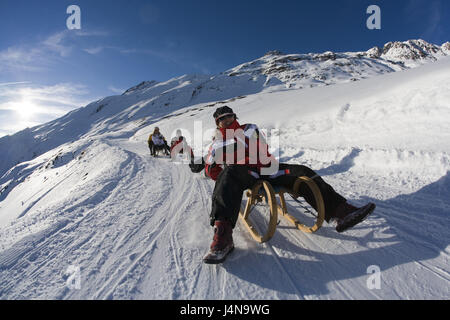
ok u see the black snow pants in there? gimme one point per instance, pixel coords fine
(151, 146)
(234, 180)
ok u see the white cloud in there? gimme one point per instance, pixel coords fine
(24, 105)
(14, 83)
(95, 50)
(116, 90)
(38, 56)
(91, 33)
(55, 43)
(32, 58)
(20, 59)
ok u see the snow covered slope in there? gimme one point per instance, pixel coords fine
(137, 227)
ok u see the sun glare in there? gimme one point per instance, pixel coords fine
(26, 108)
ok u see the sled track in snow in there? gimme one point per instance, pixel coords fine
(164, 250)
(169, 211)
(283, 269)
(134, 230)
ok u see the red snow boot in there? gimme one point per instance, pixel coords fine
(222, 243)
(349, 216)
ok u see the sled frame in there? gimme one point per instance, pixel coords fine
(160, 152)
(263, 191)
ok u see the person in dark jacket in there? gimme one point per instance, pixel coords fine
(156, 142)
(238, 157)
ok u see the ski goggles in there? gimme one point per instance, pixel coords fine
(224, 116)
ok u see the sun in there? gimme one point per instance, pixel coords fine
(26, 108)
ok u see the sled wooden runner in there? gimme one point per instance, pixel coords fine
(263, 191)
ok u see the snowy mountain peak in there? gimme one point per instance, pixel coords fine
(142, 85)
(446, 48)
(374, 52)
(273, 53)
(408, 52)
(304, 70)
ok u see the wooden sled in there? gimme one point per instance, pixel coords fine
(263, 191)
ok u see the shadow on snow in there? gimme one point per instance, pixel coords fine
(406, 229)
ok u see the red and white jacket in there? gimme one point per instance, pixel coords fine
(176, 141)
(237, 145)
(179, 145)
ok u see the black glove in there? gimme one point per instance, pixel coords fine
(197, 167)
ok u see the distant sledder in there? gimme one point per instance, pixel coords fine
(178, 145)
(233, 179)
(157, 143)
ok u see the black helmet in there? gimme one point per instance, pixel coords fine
(223, 111)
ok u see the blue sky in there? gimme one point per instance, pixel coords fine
(47, 70)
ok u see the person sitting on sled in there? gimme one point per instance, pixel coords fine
(238, 173)
(157, 142)
(178, 144)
